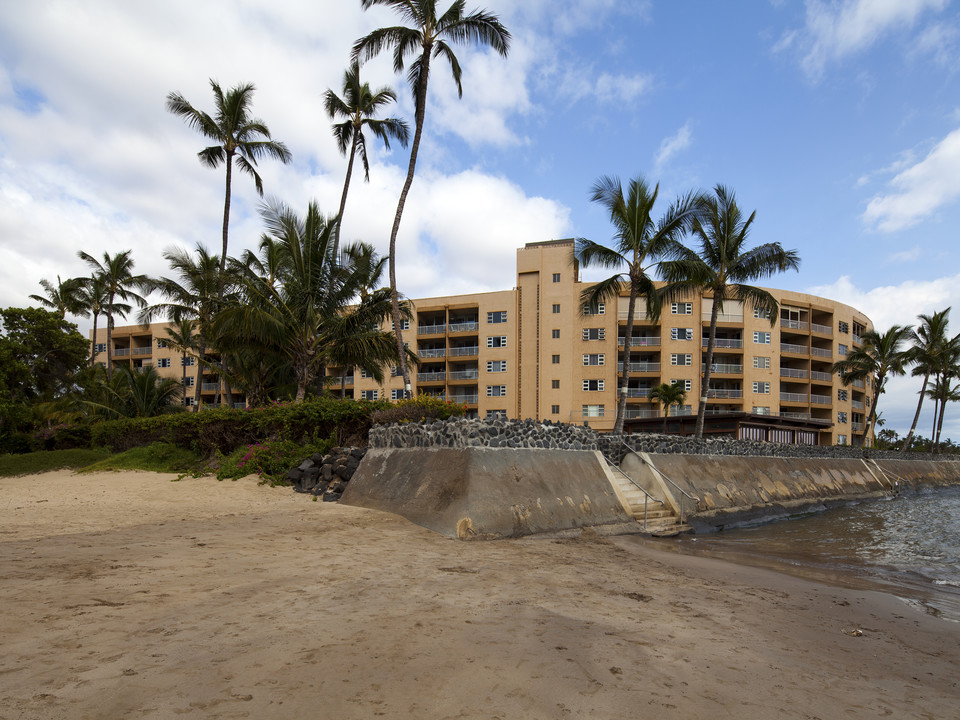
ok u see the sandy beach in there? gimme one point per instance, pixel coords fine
(126, 595)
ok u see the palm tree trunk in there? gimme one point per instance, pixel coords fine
(705, 387)
(871, 416)
(411, 169)
(916, 416)
(226, 223)
(110, 339)
(93, 345)
(201, 353)
(183, 373)
(343, 195)
(343, 384)
(943, 407)
(625, 377)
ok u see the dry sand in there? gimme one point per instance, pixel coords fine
(126, 595)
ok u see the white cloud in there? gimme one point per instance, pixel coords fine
(836, 30)
(919, 190)
(672, 145)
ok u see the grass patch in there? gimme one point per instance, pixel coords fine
(48, 460)
(158, 457)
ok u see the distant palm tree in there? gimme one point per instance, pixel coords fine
(237, 137)
(947, 370)
(182, 336)
(137, 392)
(929, 343)
(194, 294)
(668, 395)
(880, 357)
(427, 35)
(93, 298)
(358, 106)
(722, 267)
(121, 285)
(64, 297)
(641, 244)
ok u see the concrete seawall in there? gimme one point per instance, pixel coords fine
(730, 490)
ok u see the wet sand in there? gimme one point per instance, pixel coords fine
(125, 595)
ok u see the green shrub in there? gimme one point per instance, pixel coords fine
(47, 460)
(422, 408)
(270, 459)
(157, 457)
(62, 437)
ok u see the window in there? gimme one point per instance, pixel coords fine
(681, 308)
(681, 359)
(395, 371)
(396, 394)
(555, 384)
(496, 390)
(593, 359)
(163, 362)
(554, 409)
(687, 385)
(500, 316)
(555, 359)
(189, 381)
(844, 327)
(761, 362)
(495, 341)
(842, 349)
(186, 362)
(761, 388)
(761, 338)
(841, 417)
(364, 373)
(496, 414)
(681, 334)
(161, 343)
(556, 277)
(496, 366)
(190, 401)
(758, 410)
(555, 334)
(593, 385)
(597, 309)
(590, 411)
(100, 347)
(556, 308)
(404, 325)
(842, 394)
(368, 394)
(594, 334)
(841, 439)
(761, 313)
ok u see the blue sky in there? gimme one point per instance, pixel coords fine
(838, 122)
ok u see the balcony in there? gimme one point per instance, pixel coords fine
(858, 384)
(857, 427)
(792, 373)
(465, 399)
(638, 392)
(432, 353)
(121, 352)
(856, 405)
(431, 329)
(821, 352)
(142, 350)
(209, 387)
(468, 326)
(822, 329)
(645, 341)
(793, 397)
(821, 399)
(821, 376)
(722, 317)
(634, 412)
(723, 393)
(465, 375)
(464, 351)
(857, 339)
(798, 349)
(640, 367)
(722, 369)
(796, 415)
(794, 324)
(429, 377)
(723, 343)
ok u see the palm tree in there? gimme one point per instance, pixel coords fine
(194, 294)
(93, 299)
(947, 369)
(237, 137)
(64, 297)
(723, 267)
(182, 336)
(120, 284)
(358, 106)
(426, 35)
(881, 356)
(929, 342)
(136, 392)
(309, 318)
(668, 395)
(640, 245)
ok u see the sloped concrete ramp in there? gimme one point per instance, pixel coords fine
(478, 492)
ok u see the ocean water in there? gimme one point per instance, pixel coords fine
(908, 545)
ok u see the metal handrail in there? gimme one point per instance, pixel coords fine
(683, 493)
(646, 496)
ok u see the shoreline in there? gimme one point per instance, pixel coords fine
(127, 595)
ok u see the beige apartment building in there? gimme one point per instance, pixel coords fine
(537, 352)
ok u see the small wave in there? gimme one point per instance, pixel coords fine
(951, 583)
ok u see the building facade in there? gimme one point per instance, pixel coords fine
(537, 352)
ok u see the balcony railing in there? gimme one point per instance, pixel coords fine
(468, 326)
(644, 341)
(858, 384)
(822, 329)
(795, 324)
(142, 350)
(638, 392)
(795, 415)
(121, 352)
(822, 376)
(857, 427)
(467, 399)
(431, 376)
(465, 375)
(462, 351)
(634, 412)
(721, 368)
(209, 387)
(821, 352)
(722, 317)
(723, 342)
(724, 393)
(793, 397)
(432, 353)
(791, 348)
(431, 329)
(640, 367)
(857, 339)
(821, 399)
(792, 372)
(857, 405)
